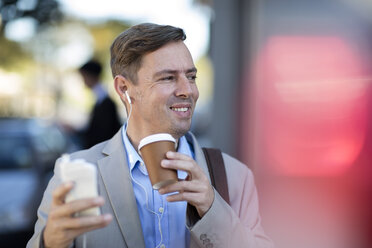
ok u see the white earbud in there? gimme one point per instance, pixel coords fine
(128, 98)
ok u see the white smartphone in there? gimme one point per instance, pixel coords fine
(84, 177)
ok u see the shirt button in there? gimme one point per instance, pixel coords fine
(162, 246)
(142, 164)
(161, 210)
(206, 241)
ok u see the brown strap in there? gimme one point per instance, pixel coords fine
(217, 171)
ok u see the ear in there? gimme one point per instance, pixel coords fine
(121, 85)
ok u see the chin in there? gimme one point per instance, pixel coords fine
(179, 132)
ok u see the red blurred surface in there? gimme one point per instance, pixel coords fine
(311, 105)
(306, 132)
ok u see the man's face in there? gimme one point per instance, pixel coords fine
(165, 95)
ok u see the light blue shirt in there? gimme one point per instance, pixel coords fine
(172, 230)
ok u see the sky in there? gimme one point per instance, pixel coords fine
(185, 14)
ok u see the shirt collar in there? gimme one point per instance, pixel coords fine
(132, 155)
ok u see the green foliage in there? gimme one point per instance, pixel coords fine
(103, 35)
(43, 11)
(11, 54)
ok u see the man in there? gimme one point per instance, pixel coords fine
(104, 120)
(153, 66)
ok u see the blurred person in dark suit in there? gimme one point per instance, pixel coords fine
(104, 120)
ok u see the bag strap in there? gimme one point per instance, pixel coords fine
(217, 171)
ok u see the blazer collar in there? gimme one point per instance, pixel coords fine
(118, 184)
(199, 155)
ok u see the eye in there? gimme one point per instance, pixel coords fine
(168, 78)
(192, 77)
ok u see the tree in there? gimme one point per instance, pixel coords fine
(43, 11)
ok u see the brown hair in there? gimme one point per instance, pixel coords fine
(131, 45)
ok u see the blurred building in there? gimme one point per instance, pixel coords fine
(292, 99)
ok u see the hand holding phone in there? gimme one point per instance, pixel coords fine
(84, 177)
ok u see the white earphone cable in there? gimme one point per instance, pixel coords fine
(144, 189)
(130, 113)
(151, 211)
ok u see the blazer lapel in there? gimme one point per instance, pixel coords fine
(118, 184)
(199, 155)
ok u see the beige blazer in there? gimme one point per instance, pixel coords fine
(223, 226)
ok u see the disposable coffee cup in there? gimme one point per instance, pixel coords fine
(153, 149)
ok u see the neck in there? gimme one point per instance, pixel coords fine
(136, 134)
(134, 139)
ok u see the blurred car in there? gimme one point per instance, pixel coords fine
(28, 150)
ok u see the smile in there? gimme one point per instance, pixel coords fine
(180, 109)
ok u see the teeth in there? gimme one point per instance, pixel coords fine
(180, 109)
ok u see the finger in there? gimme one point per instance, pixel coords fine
(190, 197)
(86, 222)
(79, 232)
(59, 194)
(202, 202)
(177, 155)
(181, 186)
(72, 233)
(188, 166)
(71, 208)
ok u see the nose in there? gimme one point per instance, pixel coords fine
(184, 87)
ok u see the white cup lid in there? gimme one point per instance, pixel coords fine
(155, 138)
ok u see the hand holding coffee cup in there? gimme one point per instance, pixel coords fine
(153, 149)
